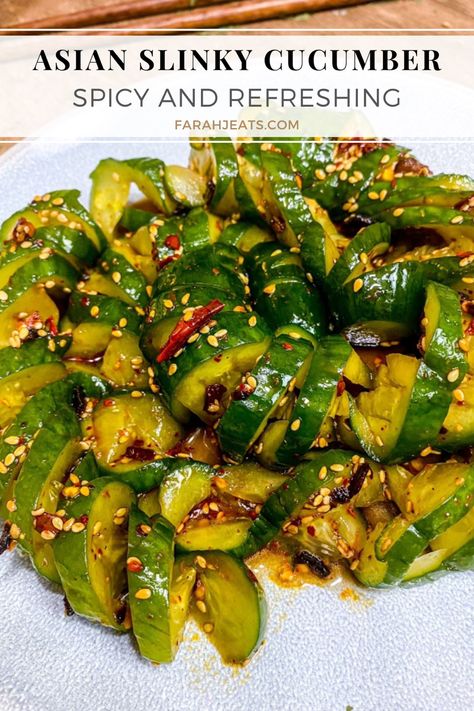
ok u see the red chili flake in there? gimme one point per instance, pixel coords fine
(184, 329)
(341, 386)
(84, 519)
(164, 262)
(51, 326)
(218, 358)
(85, 301)
(140, 454)
(470, 329)
(213, 396)
(311, 530)
(242, 391)
(173, 242)
(463, 255)
(287, 346)
(108, 402)
(44, 522)
(32, 319)
(134, 565)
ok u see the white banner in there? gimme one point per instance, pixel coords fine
(59, 87)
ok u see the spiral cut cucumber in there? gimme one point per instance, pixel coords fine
(274, 347)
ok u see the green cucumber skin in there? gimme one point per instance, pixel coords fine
(227, 170)
(294, 301)
(427, 410)
(312, 244)
(111, 311)
(366, 240)
(401, 554)
(286, 501)
(46, 448)
(425, 216)
(443, 354)
(71, 555)
(70, 204)
(216, 266)
(38, 271)
(50, 408)
(133, 218)
(132, 282)
(315, 398)
(392, 293)
(31, 353)
(62, 240)
(239, 334)
(307, 155)
(244, 419)
(290, 202)
(150, 617)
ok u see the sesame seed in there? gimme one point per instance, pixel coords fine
(116, 333)
(123, 322)
(323, 472)
(77, 527)
(222, 333)
(185, 299)
(212, 340)
(463, 345)
(385, 159)
(457, 220)
(320, 174)
(379, 440)
(398, 211)
(12, 440)
(358, 284)
(459, 395)
(57, 523)
(372, 195)
(269, 289)
(97, 527)
(337, 467)
(331, 168)
(9, 459)
(143, 594)
(201, 606)
(48, 535)
(468, 280)
(201, 561)
(15, 531)
(116, 277)
(121, 512)
(11, 505)
(252, 321)
(386, 544)
(168, 304)
(3, 296)
(453, 375)
(208, 627)
(295, 425)
(50, 284)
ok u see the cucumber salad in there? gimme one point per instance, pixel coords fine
(270, 352)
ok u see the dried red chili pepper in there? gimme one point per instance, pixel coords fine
(470, 329)
(184, 329)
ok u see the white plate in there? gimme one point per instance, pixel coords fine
(400, 650)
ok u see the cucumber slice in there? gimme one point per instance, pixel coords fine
(217, 536)
(443, 331)
(111, 182)
(124, 421)
(202, 364)
(316, 398)
(215, 161)
(183, 487)
(403, 413)
(185, 186)
(38, 487)
(91, 554)
(131, 283)
(149, 571)
(57, 208)
(228, 605)
(25, 370)
(245, 419)
(249, 481)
